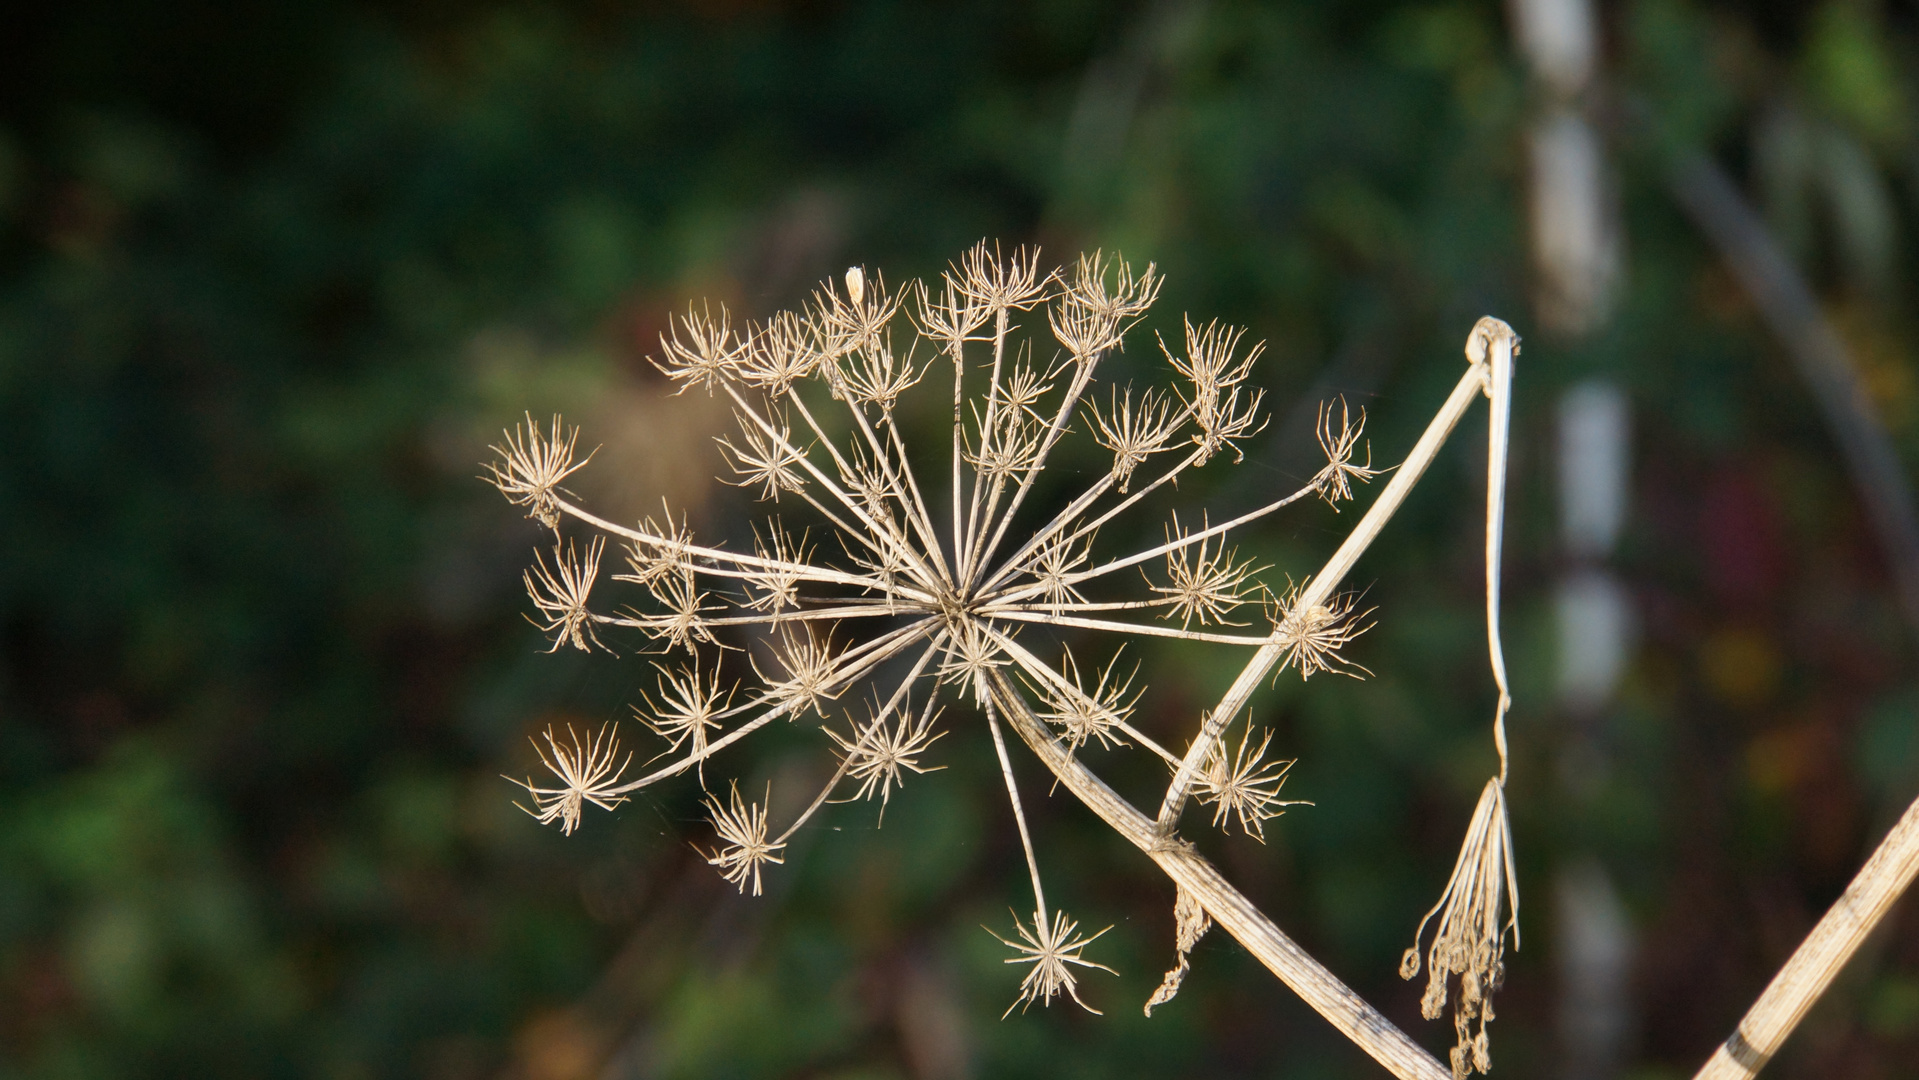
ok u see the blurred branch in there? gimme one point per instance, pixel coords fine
(1820, 957)
(1787, 304)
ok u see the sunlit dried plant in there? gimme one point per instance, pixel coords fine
(743, 847)
(587, 775)
(951, 584)
(1246, 786)
(1053, 950)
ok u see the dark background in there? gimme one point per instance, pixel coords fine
(272, 277)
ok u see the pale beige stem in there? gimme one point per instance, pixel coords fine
(1320, 588)
(1237, 915)
(1821, 956)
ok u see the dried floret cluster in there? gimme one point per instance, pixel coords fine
(924, 576)
(948, 592)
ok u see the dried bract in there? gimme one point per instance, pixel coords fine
(1190, 923)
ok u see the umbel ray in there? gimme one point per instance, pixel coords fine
(937, 595)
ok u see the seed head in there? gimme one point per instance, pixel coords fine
(1470, 941)
(702, 351)
(1084, 715)
(1334, 481)
(1053, 951)
(876, 754)
(1245, 787)
(743, 846)
(560, 593)
(586, 774)
(1313, 634)
(530, 464)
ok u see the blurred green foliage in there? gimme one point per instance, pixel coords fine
(271, 278)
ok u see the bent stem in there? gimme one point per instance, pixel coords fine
(1238, 916)
(1320, 588)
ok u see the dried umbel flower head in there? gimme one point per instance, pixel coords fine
(560, 593)
(530, 464)
(1337, 442)
(1245, 786)
(743, 849)
(877, 757)
(1314, 633)
(1053, 950)
(1082, 715)
(586, 773)
(933, 586)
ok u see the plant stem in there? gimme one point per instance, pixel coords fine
(1820, 957)
(1237, 915)
(1317, 591)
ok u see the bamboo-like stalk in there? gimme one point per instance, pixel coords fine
(1820, 957)
(1238, 916)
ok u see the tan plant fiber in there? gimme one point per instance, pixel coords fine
(925, 589)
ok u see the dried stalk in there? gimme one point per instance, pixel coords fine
(1820, 957)
(1238, 916)
(1320, 588)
